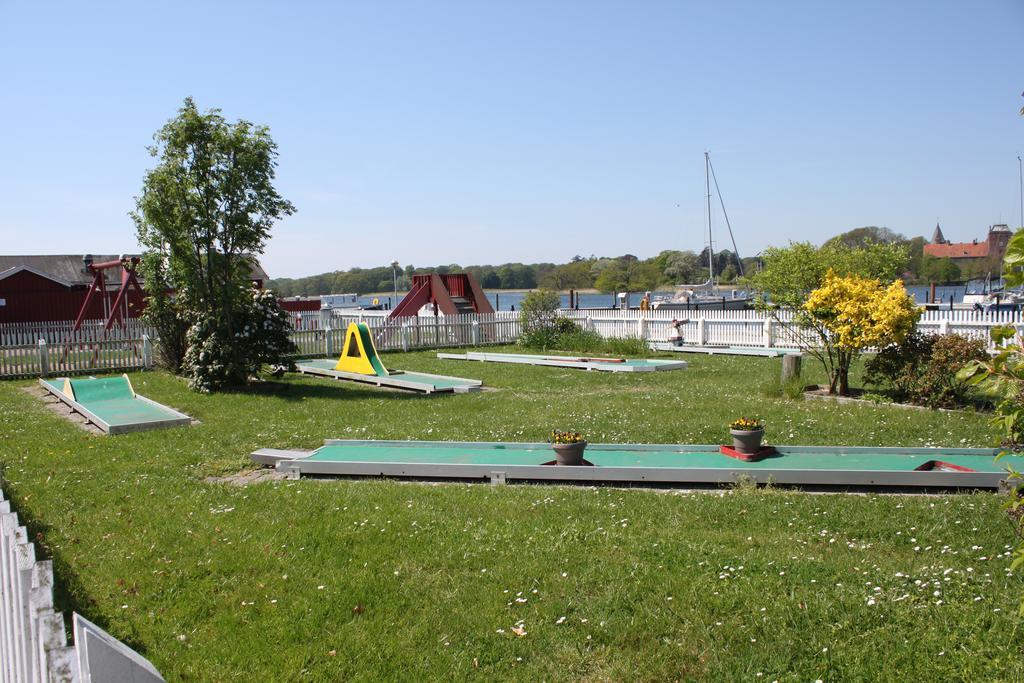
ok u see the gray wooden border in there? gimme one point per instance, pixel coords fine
(569, 362)
(771, 352)
(395, 381)
(300, 465)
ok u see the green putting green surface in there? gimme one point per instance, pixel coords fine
(610, 456)
(432, 380)
(112, 401)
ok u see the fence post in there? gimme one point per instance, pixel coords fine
(44, 358)
(944, 326)
(768, 333)
(147, 352)
(702, 331)
(405, 336)
(590, 324)
(475, 330)
(329, 341)
(641, 327)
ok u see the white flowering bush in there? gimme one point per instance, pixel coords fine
(219, 357)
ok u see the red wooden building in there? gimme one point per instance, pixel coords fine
(38, 288)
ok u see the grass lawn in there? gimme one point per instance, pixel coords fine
(337, 580)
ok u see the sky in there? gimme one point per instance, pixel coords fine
(490, 132)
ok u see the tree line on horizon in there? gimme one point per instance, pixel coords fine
(627, 272)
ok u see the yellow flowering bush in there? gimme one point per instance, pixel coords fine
(853, 313)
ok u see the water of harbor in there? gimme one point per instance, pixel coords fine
(504, 300)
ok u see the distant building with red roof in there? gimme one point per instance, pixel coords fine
(993, 247)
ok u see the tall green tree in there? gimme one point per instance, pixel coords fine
(205, 211)
(790, 277)
(940, 270)
(791, 273)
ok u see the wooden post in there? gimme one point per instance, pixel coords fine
(44, 358)
(329, 341)
(791, 366)
(147, 352)
(641, 327)
(475, 330)
(702, 332)
(768, 333)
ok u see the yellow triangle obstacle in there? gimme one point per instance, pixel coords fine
(359, 355)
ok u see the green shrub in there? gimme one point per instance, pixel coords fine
(581, 341)
(538, 316)
(626, 346)
(214, 361)
(923, 370)
(938, 385)
(897, 367)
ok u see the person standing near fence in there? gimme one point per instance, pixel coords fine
(675, 332)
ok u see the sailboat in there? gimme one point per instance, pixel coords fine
(705, 295)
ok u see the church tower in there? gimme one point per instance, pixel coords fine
(937, 236)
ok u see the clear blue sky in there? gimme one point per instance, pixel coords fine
(486, 132)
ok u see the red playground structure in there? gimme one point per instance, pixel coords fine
(113, 312)
(450, 294)
(116, 311)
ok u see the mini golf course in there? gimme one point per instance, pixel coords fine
(650, 463)
(603, 364)
(360, 362)
(111, 404)
(415, 381)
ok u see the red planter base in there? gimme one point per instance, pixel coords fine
(761, 454)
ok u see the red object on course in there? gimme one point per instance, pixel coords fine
(747, 457)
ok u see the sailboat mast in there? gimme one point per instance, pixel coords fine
(725, 213)
(707, 196)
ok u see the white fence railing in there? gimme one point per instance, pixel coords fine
(44, 348)
(405, 334)
(33, 638)
(42, 358)
(758, 329)
(60, 331)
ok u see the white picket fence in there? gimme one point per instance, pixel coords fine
(406, 334)
(44, 348)
(60, 331)
(74, 358)
(33, 638)
(758, 329)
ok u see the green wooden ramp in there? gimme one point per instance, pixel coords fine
(111, 404)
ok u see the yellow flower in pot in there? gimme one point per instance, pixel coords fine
(568, 447)
(747, 434)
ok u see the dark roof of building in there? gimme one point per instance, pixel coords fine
(66, 268)
(69, 269)
(937, 236)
